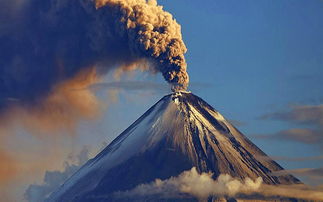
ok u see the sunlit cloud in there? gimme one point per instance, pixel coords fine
(202, 186)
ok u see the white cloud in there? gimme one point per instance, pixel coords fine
(202, 186)
(198, 185)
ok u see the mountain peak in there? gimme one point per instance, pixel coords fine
(179, 132)
(177, 95)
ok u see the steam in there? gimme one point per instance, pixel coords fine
(202, 186)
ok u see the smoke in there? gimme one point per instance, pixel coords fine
(8, 168)
(56, 39)
(46, 44)
(154, 34)
(132, 86)
(61, 110)
(53, 179)
(203, 186)
(8, 173)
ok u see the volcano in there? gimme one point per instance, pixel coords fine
(179, 132)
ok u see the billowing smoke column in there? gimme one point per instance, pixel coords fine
(45, 42)
(151, 33)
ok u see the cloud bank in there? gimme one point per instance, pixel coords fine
(198, 185)
(202, 186)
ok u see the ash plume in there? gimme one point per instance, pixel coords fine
(49, 42)
(152, 33)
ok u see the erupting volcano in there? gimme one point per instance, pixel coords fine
(179, 132)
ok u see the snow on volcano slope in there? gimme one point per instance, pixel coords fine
(179, 132)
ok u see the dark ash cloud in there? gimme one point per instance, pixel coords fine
(132, 86)
(47, 42)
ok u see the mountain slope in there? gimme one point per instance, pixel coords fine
(179, 132)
